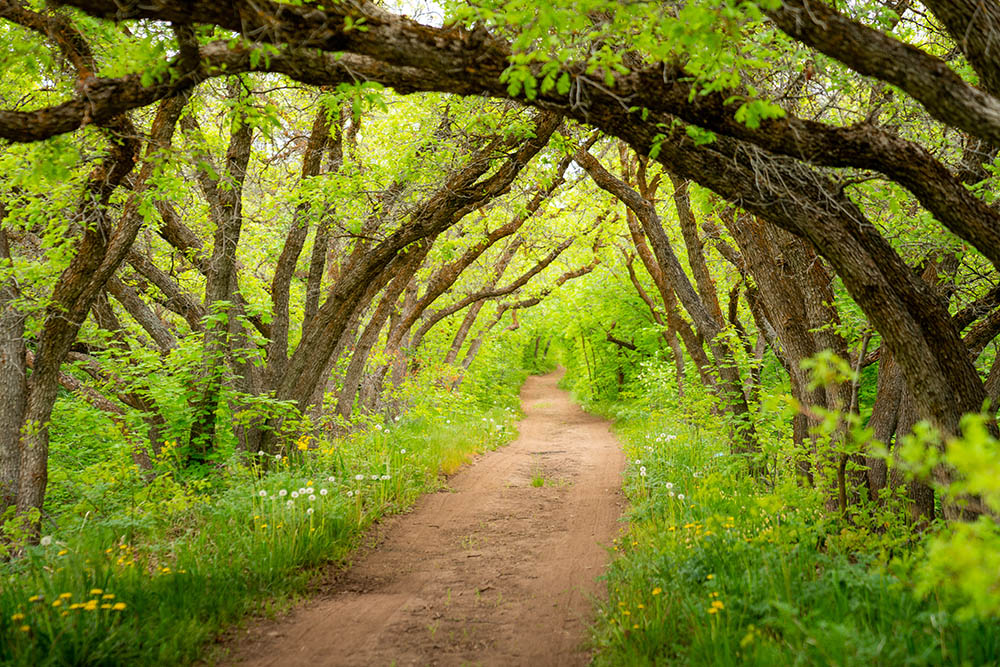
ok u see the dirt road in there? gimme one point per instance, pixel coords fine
(493, 570)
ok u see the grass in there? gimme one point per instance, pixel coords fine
(716, 571)
(168, 565)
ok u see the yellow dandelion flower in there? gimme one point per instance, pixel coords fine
(57, 603)
(105, 606)
(710, 577)
(717, 604)
(626, 612)
(17, 617)
(96, 591)
(713, 610)
(118, 606)
(62, 553)
(65, 596)
(657, 590)
(65, 613)
(309, 483)
(108, 596)
(641, 606)
(25, 628)
(635, 627)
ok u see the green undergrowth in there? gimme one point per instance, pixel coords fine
(716, 570)
(140, 571)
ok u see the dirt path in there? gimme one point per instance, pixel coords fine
(491, 571)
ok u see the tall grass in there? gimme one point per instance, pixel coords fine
(717, 571)
(148, 572)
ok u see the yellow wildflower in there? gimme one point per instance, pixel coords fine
(65, 596)
(56, 603)
(62, 553)
(17, 617)
(710, 577)
(713, 610)
(657, 590)
(25, 628)
(96, 591)
(717, 604)
(105, 606)
(118, 606)
(108, 596)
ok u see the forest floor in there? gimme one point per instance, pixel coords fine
(498, 568)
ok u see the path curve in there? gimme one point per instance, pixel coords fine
(489, 571)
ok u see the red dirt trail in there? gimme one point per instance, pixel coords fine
(490, 571)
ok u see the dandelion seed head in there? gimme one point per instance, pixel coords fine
(322, 492)
(45, 541)
(295, 494)
(312, 497)
(309, 511)
(359, 478)
(262, 493)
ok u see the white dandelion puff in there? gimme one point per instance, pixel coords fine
(322, 492)
(312, 497)
(309, 511)
(282, 493)
(359, 478)
(262, 493)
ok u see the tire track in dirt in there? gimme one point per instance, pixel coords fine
(490, 571)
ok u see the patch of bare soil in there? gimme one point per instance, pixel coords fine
(490, 571)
